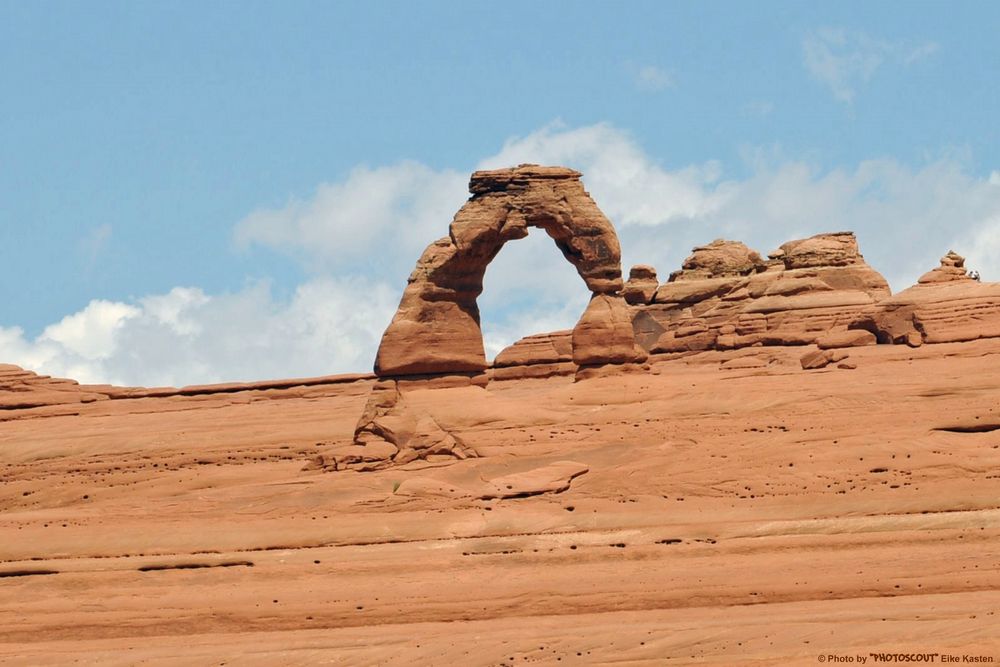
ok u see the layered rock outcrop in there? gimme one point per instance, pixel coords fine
(945, 306)
(727, 296)
(952, 269)
(21, 388)
(536, 356)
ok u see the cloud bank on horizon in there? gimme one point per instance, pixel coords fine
(358, 239)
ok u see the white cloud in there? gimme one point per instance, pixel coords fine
(629, 186)
(362, 236)
(652, 79)
(372, 219)
(846, 60)
(91, 332)
(329, 325)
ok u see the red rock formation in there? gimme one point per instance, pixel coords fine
(24, 389)
(547, 348)
(536, 356)
(725, 296)
(604, 334)
(945, 306)
(436, 328)
(641, 285)
(718, 259)
(435, 336)
(952, 268)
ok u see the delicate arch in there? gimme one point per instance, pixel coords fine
(436, 328)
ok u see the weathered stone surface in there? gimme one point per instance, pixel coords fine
(24, 389)
(436, 328)
(641, 284)
(673, 341)
(533, 371)
(722, 488)
(604, 334)
(849, 338)
(690, 291)
(718, 259)
(553, 478)
(936, 312)
(727, 297)
(391, 430)
(821, 358)
(834, 249)
(548, 348)
(952, 268)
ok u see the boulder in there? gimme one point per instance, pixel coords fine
(641, 284)
(719, 259)
(847, 338)
(808, 288)
(834, 249)
(821, 358)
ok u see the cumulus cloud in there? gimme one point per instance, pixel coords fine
(373, 219)
(361, 236)
(629, 185)
(846, 60)
(329, 325)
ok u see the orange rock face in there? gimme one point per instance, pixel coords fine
(436, 329)
(952, 268)
(723, 508)
(945, 306)
(604, 334)
(726, 296)
(641, 285)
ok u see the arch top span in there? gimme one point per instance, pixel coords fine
(436, 328)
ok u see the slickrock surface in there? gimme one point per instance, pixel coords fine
(722, 508)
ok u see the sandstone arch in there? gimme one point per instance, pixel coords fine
(436, 328)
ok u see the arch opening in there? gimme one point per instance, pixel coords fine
(528, 289)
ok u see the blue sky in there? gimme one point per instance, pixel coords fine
(210, 191)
